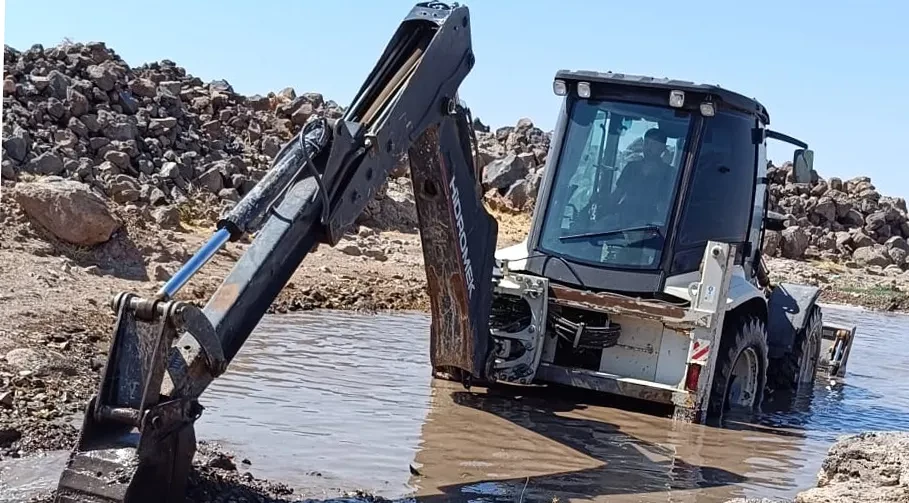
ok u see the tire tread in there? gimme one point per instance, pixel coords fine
(786, 368)
(746, 329)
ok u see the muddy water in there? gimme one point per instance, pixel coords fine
(326, 401)
(329, 401)
(22, 479)
(332, 401)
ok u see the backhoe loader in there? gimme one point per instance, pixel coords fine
(635, 302)
(642, 274)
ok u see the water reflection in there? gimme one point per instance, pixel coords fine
(500, 445)
(338, 401)
(326, 401)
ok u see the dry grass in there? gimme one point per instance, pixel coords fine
(829, 266)
(199, 211)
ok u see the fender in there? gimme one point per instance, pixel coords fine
(788, 311)
(741, 290)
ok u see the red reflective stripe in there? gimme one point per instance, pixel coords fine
(698, 354)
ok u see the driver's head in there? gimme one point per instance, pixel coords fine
(654, 144)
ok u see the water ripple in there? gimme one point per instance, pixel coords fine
(350, 396)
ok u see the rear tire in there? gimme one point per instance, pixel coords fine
(799, 366)
(741, 368)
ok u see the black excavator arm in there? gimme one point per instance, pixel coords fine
(137, 440)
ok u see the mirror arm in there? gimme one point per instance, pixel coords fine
(786, 138)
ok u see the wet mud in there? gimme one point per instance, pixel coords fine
(331, 403)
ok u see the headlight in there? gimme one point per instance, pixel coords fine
(559, 87)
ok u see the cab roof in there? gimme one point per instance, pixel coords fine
(731, 98)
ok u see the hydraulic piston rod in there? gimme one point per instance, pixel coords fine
(247, 215)
(193, 265)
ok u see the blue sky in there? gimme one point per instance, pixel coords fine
(831, 73)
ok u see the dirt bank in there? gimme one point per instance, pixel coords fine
(863, 468)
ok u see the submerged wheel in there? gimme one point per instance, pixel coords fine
(799, 366)
(741, 368)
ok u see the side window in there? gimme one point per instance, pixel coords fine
(586, 173)
(719, 202)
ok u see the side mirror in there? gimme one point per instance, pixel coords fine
(774, 221)
(802, 164)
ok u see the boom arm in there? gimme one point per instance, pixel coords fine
(137, 440)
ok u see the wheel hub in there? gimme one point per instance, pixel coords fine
(742, 388)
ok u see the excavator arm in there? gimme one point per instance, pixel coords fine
(137, 439)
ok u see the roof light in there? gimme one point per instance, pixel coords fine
(676, 99)
(584, 89)
(707, 109)
(559, 87)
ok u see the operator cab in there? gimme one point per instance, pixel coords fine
(642, 173)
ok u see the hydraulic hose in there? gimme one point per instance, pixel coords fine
(296, 155)
(247, 215)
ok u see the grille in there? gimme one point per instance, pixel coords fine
(584, 329)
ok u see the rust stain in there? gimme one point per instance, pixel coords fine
(614, 303)
(225, 296)
(452, 329)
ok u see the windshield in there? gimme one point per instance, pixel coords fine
(615, 183)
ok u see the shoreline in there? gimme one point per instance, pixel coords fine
(54, 348)
(58, 322)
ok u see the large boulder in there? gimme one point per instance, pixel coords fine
(68, 209)
(772, 240)
(794, 242)
(503, 173)
(875, 255)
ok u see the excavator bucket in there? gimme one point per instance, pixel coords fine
(137, 445)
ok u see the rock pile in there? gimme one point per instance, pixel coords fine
(155, 137)
(837, 220)
(512, 158)
(152, 135)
